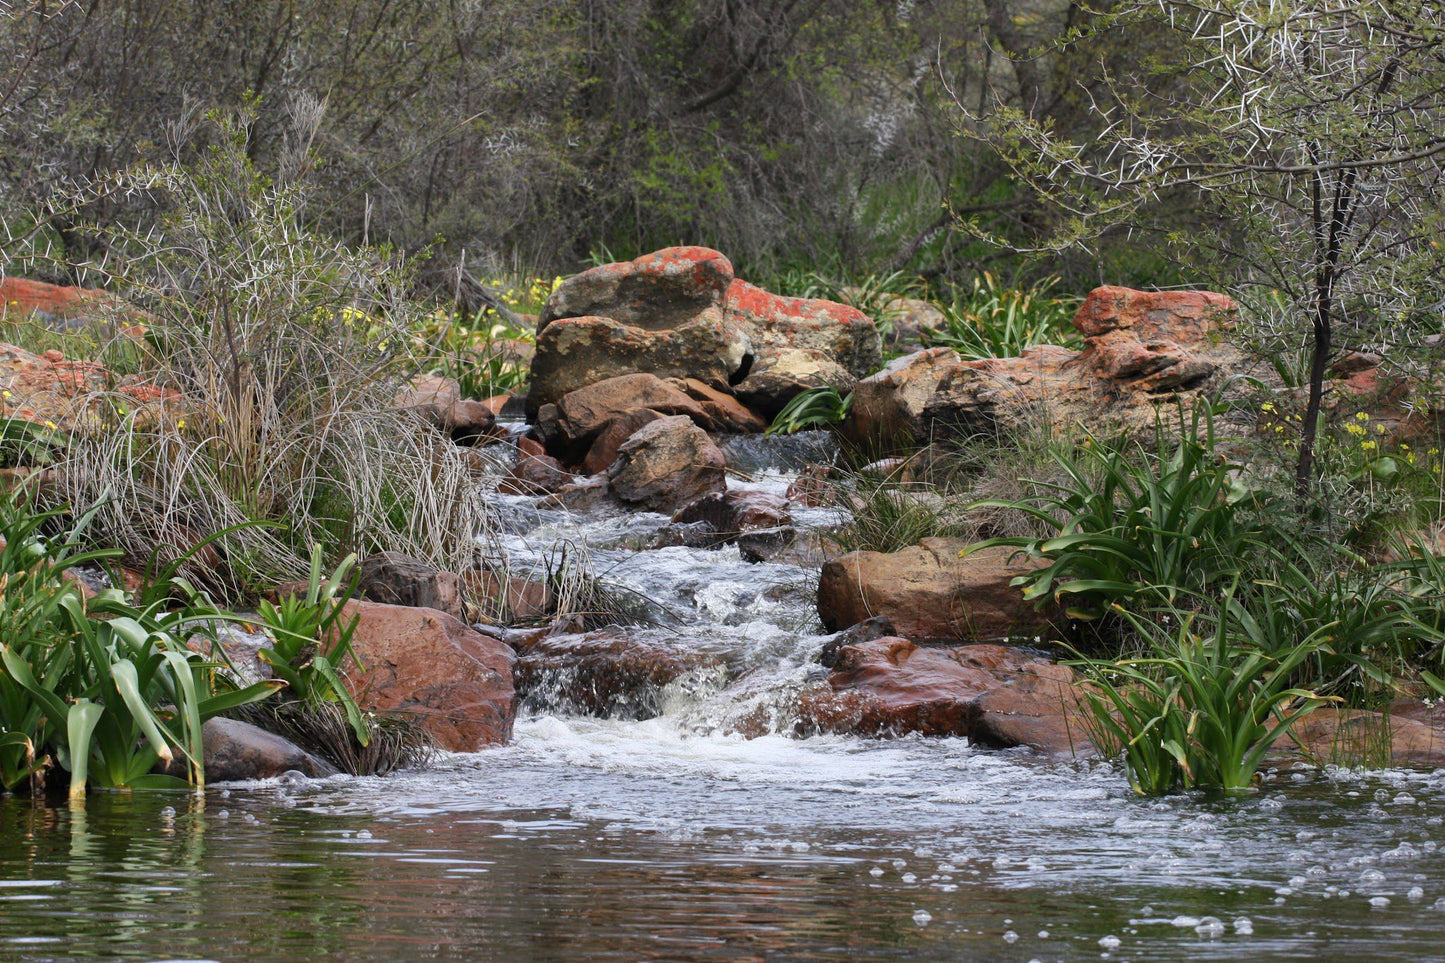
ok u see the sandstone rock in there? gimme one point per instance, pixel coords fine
(610, 440)
(397, 579)
(887, 408)
(1353, 737)
(64, 307)
(774, 322)
(724, 412)
(585, 494)
(928, 592)
(657, 291)
(512, 598)
(455, 682)
(535, 475)
(758, 522)
(612, 671)
(1040, 709)
(778, 376)
(665, 465)
(891, 686)
(65, 396)
(235, 750)
(439, 399)
(576, 352)
(1141, 348)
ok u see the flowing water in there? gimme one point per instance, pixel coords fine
(674, 838)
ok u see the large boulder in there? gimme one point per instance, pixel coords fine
(613, 671)
(775, 322)
(680, 313)
(66, 395)
(889, 405)
(397, 579)
(666, 464)
(892, 686)
(1141, 349)
(573, 353)
(657, 291)
(455, 682)
(438, 399)
(63, 307)
(928, 592)
(777, 377)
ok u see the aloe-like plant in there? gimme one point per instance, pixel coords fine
(995, 321)
(1209, 701)
(1130, 522)
(312, 639)
(814, 408)
(100, 688)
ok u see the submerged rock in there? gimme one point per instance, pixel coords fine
(929, 592)
(994, 694)
(612, 671)
(453, 681)
(759, 523)
(236, 750)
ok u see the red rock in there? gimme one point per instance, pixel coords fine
(397, 579)
(929, 592)
(665, 465)
(233, 750)
(455, 682)
(1355, 737)
(656, 291)
(722, 411)
(608, 672)
(535, 475)
(840, 332)
(620, 428)
(891, 686)
(585, 412)
(758, 522)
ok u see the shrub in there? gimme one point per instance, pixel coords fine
(992, 321)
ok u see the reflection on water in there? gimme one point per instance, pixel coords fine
(1039, 862)
(671, 839)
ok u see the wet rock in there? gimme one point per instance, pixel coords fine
(1358, 737)
(397, 579)
(869, 630)
(665, 289)
(892, 686)
(573, 353)
(665, 465)
(611, 438)
(455, 682)
(535, 475)
(928, 592)
(812, 488)
(777, 377)
(235, 750)
(758, 522)
(583, 495)
(582, 414)
(774, 323)
(506, 596)
(1040, 708)
(614, 671)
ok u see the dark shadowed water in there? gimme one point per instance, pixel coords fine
(673, 839)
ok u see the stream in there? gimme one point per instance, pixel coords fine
(676, 838)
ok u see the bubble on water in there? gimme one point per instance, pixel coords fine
(1317, 871)
(1439, 905)
(1372, 876)
(1379, 902)
(168, 813)
(1244, 926)
(250, 818)
(1284, 891)
(1297, 881)
(1403, 799)
(899, 863)
(1185, 922)
(1147, 911)
(1305, 835)
(1402, 851)
(223, 814)
(1110, 942)
(1382, 794)
(876, 871)
(1043, 934)
(922, 917)
(1279, 901)
(1010, 936)
(1415, 895)
(363, 834)
(909, 878)
(1271, 804)
(1210, 927)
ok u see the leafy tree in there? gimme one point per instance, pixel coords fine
(1312, 131)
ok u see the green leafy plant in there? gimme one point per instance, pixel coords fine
(1130, 522)
(814, 408)
(312, 640)
(993, 321)
(23, 442)
(1203, 707)
(101, 688)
